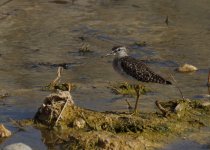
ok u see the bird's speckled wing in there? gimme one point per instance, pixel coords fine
(140, 71)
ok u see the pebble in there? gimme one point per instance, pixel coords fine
(206, 104)
(79, 123)
(187, 68)
(179, 107)
(4, 132)
(17, 146)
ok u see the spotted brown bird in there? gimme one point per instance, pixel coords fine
(130, 67)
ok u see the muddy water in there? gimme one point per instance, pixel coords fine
(35, 35)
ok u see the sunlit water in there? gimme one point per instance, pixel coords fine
(36, 32)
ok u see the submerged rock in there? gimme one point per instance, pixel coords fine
(4, 132)
(17, 146)
(187, 68)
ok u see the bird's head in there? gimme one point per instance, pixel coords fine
(119, 51)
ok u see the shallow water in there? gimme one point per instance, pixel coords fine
(194, 141)
(37, 32)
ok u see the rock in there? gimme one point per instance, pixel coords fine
(107, 143)
(17, 146)
(187, 68)
(178, 108)
(79, 123)
(205, 104)
(4, 132)
(53, 104)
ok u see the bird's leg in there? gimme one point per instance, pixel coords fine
(137, 90)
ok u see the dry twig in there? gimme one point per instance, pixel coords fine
(130, 108)
(161, 108)
(60, 69)
(167, 20)
(177, 86)
(61, 112)
(69, 89)
(208, 82)
(137, 90)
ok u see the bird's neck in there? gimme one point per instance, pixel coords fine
(122, 54)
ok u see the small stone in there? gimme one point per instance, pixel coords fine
(187, 68)
(79, 123)
(17, 146)
(179, 108)
(107, 143)
(205, 104)
(4, 132)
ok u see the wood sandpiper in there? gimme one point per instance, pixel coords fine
(130, 67)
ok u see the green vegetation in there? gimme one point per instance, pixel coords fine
(127, 89)
(87, 129)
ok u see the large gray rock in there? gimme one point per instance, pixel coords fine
(17, 146)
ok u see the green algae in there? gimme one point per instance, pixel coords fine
(140, 43)
(80, 128)
(85, 49)
(88, 129)
(125, 88)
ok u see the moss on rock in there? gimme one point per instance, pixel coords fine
(87, 129)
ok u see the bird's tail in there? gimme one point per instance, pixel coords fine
(158, 79)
